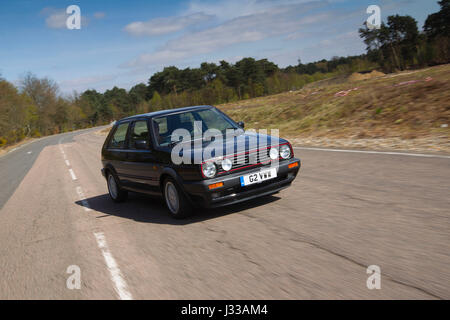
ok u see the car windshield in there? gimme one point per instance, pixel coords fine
(194, 122)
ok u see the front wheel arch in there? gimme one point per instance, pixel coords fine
(171, 173)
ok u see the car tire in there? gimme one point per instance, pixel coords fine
(176, 202)
(116, 193)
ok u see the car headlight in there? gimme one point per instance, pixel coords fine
(209, 169)
(226, 164)
(285, 151)
(274, 153)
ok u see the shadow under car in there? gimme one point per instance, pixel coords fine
(147, 209)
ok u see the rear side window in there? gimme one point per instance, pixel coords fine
(118, 138)
(161, 130)
(162, 125)
(139, 133)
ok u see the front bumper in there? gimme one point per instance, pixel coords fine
(232, 192)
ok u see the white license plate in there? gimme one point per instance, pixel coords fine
(258, 177)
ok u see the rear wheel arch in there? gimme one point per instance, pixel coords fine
(117, 194)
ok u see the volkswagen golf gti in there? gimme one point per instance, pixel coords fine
(144, 154)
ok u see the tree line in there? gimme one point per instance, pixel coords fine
(398, 44)
(36, 107)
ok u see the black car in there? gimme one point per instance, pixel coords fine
(138, 155)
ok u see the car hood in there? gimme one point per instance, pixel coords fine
(207, 150)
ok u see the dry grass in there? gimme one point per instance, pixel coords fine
(381, 107)
(365, 76)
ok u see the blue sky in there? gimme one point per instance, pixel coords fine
(122, 43)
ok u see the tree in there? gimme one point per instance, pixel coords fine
(437, 29)
(44, 95)
(397, 42)
(96, 107)
(404, 36)
(119, 98)
(138, 93)
(156, 101)
(234, 77)
(438, 24)
(268, 68)
(17, 114)
(209, 71)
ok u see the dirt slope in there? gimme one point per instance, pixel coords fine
(408, 110)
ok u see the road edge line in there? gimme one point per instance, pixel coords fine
(421, 155)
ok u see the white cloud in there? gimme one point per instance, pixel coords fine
(339, 43)
(342, 44)
(161, 26)
(56, 19)
(245, 29)
(87, 82)
(230, 9)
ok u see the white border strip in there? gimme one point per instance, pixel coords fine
(74, 177)
(376, 152)
(116, 276)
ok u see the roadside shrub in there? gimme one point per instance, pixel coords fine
(3, 141)
(36, 134)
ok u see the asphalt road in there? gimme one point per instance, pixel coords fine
(345, 212)
(16, 164)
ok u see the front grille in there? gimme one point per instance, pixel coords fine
(246, 160)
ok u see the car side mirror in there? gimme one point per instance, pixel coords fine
(141, 145)
(241, 124)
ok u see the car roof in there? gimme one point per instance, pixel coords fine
(164, 112)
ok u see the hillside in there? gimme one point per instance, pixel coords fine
(408, 110)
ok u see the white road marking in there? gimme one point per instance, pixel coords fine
(83, 200)
(60, 147)
(116, 276)
(120, 286)
(376, 152)
(20, 147)
(29, 152)
(74, 177)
